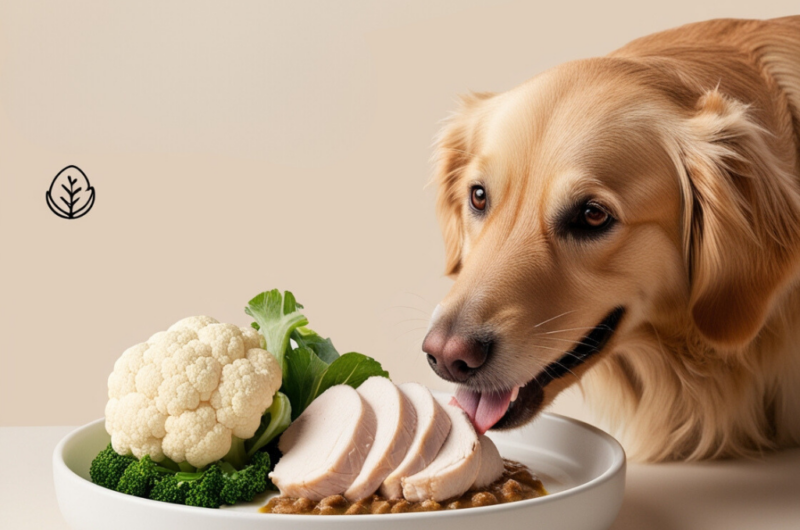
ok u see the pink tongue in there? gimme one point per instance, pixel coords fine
(484, 410)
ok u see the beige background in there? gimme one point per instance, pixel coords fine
(237, 147)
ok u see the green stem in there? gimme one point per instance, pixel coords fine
(170, 465)
(189, 477)
(279, 416)
(237, 456)
(186, 467)
(226, 467)
(192, 473)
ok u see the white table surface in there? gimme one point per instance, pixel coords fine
(754, 495)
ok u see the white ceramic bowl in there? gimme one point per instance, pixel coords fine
(582, 467)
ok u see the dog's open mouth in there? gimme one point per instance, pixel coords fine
(515, 406)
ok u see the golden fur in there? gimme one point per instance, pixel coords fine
(691, 138)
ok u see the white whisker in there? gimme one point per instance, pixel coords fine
(564, 330)
(548, 348)
(408, 307)
(416, 320)
(420, 297)
(555, 317)
(570, 341)
(409, 331)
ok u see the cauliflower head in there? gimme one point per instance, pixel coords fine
(186, 391)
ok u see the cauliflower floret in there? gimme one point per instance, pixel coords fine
(226, 340)
(189, 375)
(187, 390)
(122, 380)
(238, 401)
(252, 339)
(196, 437)
(136, 426)
(193, 323)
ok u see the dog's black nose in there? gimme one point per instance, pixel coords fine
(454, 357)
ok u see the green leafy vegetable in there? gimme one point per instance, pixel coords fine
(350, 369)
(313, 365)
(277, 316)
(306, 338)
(303, 373)
(308, 376)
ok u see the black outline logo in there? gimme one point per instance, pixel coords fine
(74, 192)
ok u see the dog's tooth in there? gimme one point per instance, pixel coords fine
(514, 393)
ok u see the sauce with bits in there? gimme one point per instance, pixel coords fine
(515, 484)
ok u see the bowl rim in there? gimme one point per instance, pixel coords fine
(618, 465)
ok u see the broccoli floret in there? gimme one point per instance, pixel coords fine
(170, 489)
(220, 483)
(175, 488)
(206, 492)
(140, 477)
(108, 466)
(245, 484)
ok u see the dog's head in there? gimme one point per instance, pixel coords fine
(596, 199)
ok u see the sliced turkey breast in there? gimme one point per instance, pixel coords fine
(397, 422)
(433, 425)
(325, 447)
(491, 463)
(454, 469)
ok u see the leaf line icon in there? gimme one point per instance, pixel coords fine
(71, 187)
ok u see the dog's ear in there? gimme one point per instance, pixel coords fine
(741, 222)
(455, 146)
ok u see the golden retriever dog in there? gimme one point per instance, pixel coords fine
(632, 222)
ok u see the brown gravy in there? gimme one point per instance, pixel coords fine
(515, 484)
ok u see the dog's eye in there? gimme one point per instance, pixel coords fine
(594, 217)
(478, 198)
(591, 217)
